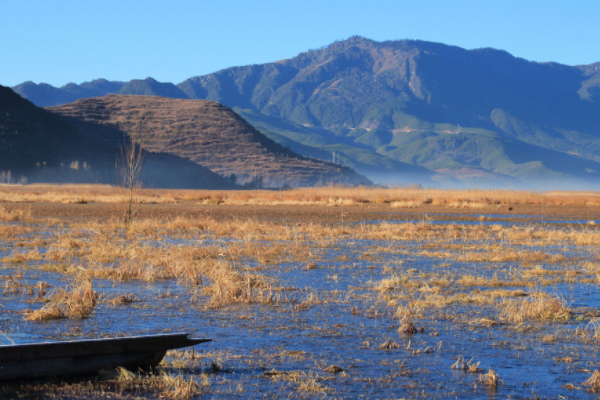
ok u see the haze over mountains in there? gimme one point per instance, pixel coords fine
(405, 110)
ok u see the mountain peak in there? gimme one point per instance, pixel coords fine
(380, 106)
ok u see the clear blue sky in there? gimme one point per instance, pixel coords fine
(61, 41)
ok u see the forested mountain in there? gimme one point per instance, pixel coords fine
(383, 107)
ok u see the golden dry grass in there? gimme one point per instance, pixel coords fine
(491, 378)
(537, 306)
(76, 303)
(593, 382)
(218, 264)
(469, 366)
(332, 196)
(165, 384)
(16, 214)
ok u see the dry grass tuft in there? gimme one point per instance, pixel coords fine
(334, 369)
(311, 265)
(124, 299)
(490, 379)
(169, 386)
(176, 387)
(230, 286)
(593, 382)
(311, 301)
(389, 344)
(469, 366)
(590, 332)
(538, 306)
(77, 303)
(306, 382)
(47, 313)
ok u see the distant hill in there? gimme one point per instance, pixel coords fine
(209, 134)
(151, 87)
(387, 107)
(39, 146)
(44, 95)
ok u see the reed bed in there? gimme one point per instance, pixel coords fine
(77, 302)
(331, 196)
(16, 214)
(221, 262)
(537, 306)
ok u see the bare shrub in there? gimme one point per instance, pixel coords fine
(130, 168)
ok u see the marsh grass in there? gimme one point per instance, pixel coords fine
(229, 286)
(491, 378)
(13, 285)
(406, 204)
(124, 299)
(176, 387)
(331, 196)
(166, 384)
(304, 381)
(16, 214)
(389, 344)
(311, 300)
(589, 333)
(538, 306)
(77, 302)
(467, 366)
(229, 262)
(593, 382)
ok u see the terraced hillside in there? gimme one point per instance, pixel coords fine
(39, 146)
(207, 133)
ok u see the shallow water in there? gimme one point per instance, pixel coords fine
(344, 327)
(498, 218)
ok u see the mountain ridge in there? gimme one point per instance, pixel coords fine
(327, 97)
(37, 145)
(206, 133)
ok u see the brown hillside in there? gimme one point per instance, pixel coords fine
(39, 146)
(209, 134)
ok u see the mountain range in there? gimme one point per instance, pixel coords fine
(405, 111)
(185, 144)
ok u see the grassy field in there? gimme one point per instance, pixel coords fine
(333, 196)
(310, 293)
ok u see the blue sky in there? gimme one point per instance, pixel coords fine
(63, 41)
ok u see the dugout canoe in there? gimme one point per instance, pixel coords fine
(79, 357)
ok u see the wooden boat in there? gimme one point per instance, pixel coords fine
(88, 356)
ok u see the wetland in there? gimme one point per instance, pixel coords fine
(323, 293)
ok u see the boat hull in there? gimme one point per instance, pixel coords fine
(87, 356)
